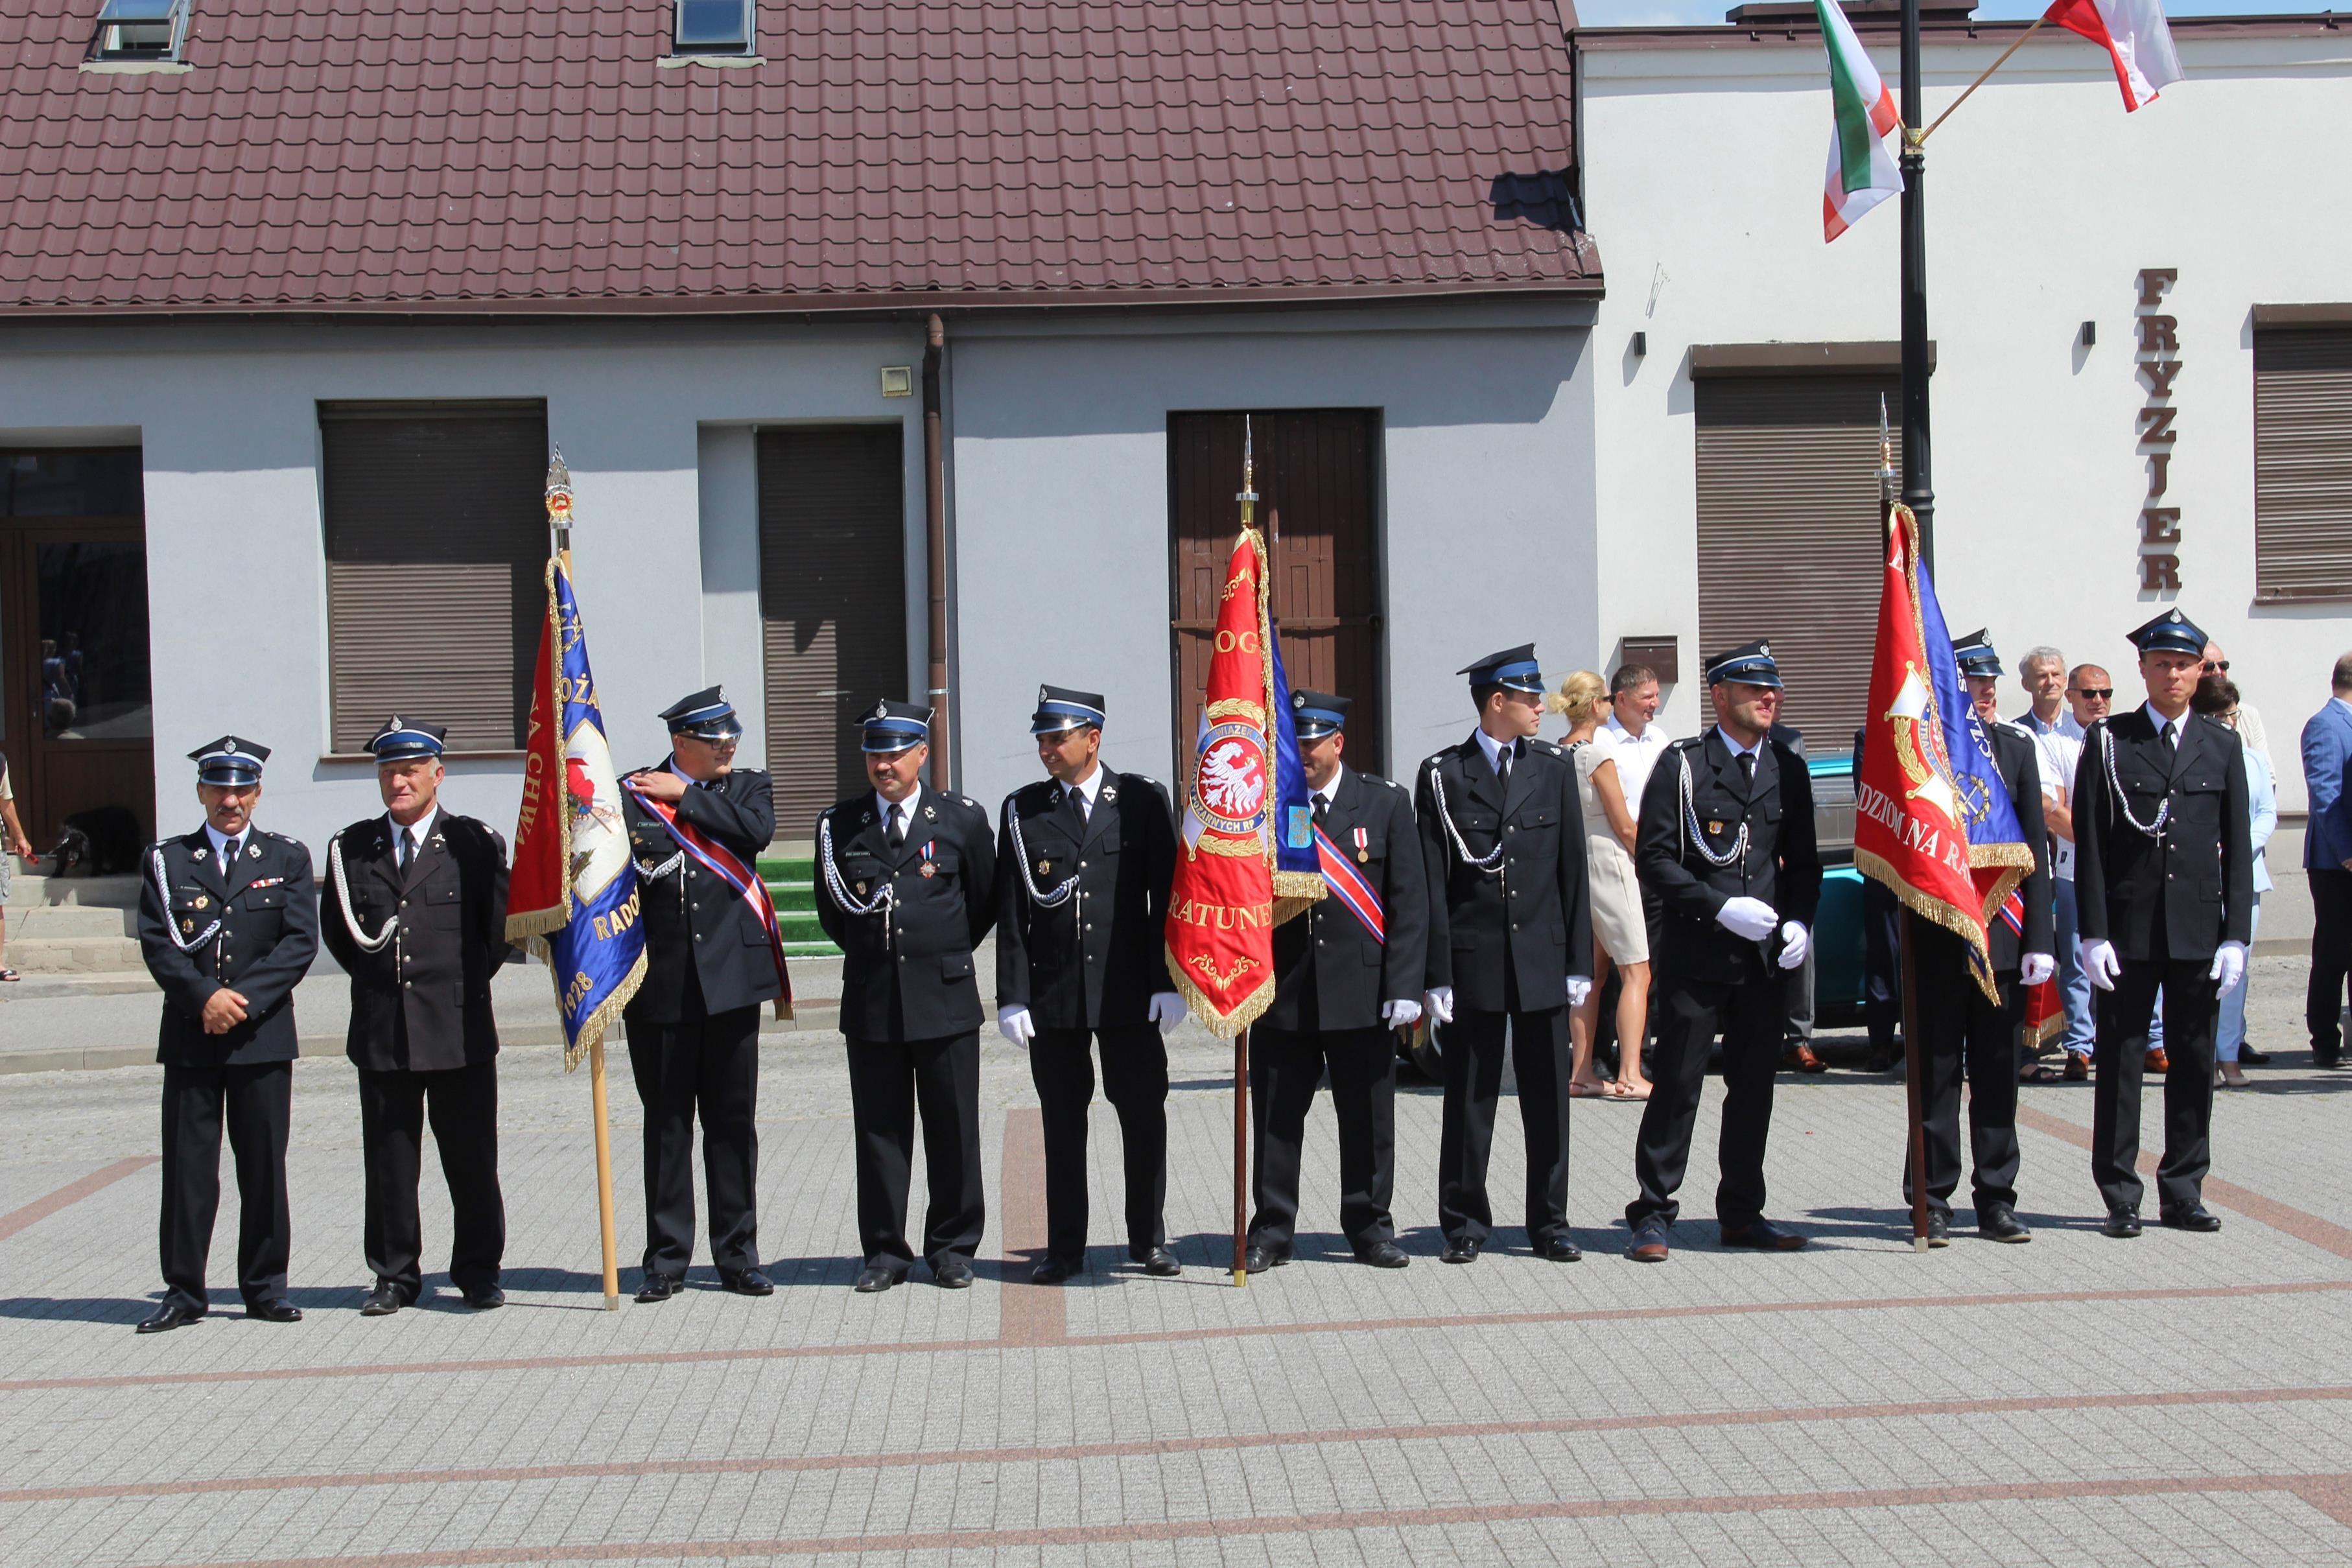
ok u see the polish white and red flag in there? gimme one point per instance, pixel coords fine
(2136, 37)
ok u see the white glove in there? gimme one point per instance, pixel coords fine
(1439, 1003)
(1749, 917)
(1579, 987)
(1795, 943)
(1167, 1009)
(1015, 1024)
(2035, 968)
(1399, 1014)
(2229, 965)
(2099, 962)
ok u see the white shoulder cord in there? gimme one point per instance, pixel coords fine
(1061, 894)
(656, 872)
(343, 894)
(155, 866)
(882, 903)
(1696, 839)
(2122, 802)
(1493, 864)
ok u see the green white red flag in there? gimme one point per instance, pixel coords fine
(1862, 173)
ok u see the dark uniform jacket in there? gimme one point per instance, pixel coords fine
(907, 972)
(1782, 865)
(2198, 877)
(1095, 959)
(1330, 972)
(268, 910)
(690, 916)
(420, 1003)
(2021, 769)
(1536, 908)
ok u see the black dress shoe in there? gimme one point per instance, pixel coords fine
(1649, 1243)
(1158, 1261)
(2195, 1218)
(1464, 1250)
(2122, 1224)
(488, 1299)
(877, 1279)
(1559, 1249)
(1997, 1222)
(1054, 1271)
(1762, 1235)
(1258, 1259)
(2250, 1057)
(659, 1288)
(1384, 1255)
(383, 1300)
(2328, 1058)
(952, 1273)
(172, 1314)
(1939, 1229)
(746, 1281)
(274, 1310)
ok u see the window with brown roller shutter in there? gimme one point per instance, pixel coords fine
(833, 605)
(2302, 464)
(1788, 535)
(436, 552)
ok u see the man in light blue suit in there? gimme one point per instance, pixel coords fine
(2328, 856)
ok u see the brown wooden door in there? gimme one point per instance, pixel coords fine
(1315, 476)
(77, 713)
(833, 596)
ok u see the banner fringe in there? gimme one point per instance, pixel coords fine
(1225, 1026)
(593, 1031)
(1936, 912)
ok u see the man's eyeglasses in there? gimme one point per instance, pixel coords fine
(2095, 694)
(2216, 665)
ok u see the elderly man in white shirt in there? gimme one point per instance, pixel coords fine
(2056, 721)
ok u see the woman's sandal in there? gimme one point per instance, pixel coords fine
(2039, 1074)
(8, 975)
(1587, 1091)
(1619, 1091)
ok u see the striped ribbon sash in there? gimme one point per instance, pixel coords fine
(1349, 885)
(729, 867)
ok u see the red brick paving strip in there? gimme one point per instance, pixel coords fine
(1156, 1447)
(71, 1193)
(1031, 1314)
(2308, 1487)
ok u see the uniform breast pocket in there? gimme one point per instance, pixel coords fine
(859, 873)
(943, 860)
(1537, 818)
(955, 968)
(444, 905)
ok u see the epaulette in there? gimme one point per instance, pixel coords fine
(1536, 743)
(1689, 743)
(1434, 760)
(971, 802)
(281, 838)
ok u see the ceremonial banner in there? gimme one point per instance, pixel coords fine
(572, 895)
(1294, 843)
(1229, 893)
(1933, 820)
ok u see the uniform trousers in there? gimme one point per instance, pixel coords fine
(463, 1103)
(1882, 983)
(1962, 1033)
(1286, 1067)
(889, 1083)
(705, 1064)
(256, 1103)
(2331, 960)
(1474, 1046)
(1749, 1016)
(2193, 1008)
(1135, 1080)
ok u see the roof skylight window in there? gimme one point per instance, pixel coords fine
(705, 26)
(138, 30)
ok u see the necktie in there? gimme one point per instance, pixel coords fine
(408, 848)
(1322, 808)
(1748, 769)
(898, 834)
(1503, 762)
(1074, 801)
(229, 856)
(2171, 732)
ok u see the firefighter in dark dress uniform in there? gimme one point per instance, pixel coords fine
(1961, 1031)
(1511, 938)
(694, 1024)
(229, 922)
(1726, 846)
(2164, 886)
(414, 910)
(1085, 859)
(1345, 973)
(907, 888)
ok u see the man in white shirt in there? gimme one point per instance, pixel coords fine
(2061, 710)
(1633, 734)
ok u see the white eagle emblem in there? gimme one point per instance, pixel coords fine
(1233, 780)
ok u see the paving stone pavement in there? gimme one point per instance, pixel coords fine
(2177, 1400)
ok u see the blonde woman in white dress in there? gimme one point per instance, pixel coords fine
(1620, 934)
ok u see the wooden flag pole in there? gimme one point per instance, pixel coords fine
(604, 1177)
(1914, 1081)
(1972, 86)
(1241, 1159)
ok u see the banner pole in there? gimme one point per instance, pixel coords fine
(604, 1177)
(1982, 75)
(1913, 1081)
(1241, 1158)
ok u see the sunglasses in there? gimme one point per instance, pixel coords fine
(2095, 694)
(2213, 664)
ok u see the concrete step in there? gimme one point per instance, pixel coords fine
(33, 889)
(30, 923)
(97, 983)
(73, 954)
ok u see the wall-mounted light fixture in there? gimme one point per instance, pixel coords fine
(2090, 333)
(897, 381)
(1641, 344)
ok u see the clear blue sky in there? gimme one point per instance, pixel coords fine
(1661, 13)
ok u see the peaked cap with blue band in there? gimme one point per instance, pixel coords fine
(1974, 654)
(229, 761)
(706, 715)
(1750, 663)
(1513, 669)
(1060, 708)
(894, 726)
(401, 741)
(1314, 714)
(2170, 632)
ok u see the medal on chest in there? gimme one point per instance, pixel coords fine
(931, 866)
(1363, 846)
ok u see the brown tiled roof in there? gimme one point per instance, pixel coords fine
(409, 155)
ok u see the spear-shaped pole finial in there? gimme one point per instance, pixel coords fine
(558, 499)
(1885, 459)
(1248, 494)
